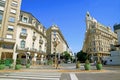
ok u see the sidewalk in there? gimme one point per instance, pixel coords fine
(50, 68)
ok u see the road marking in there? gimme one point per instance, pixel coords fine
(73, 76)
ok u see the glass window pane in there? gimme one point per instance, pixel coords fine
(13, 11)
(12, 19)
(10, 28)
(24, 31)
(22, 44)
(9, 36)
(14, 4)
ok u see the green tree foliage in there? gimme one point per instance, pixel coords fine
(66, 56)
(81, 56)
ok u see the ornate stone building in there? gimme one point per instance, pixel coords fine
(54, 34)
(23, 36)
(9, 13)
(31, 37)
(97, 38)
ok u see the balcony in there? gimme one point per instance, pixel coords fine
(23, 35)
(33, 50)
(7, 40)
(41, 52)
(41, 41)
(19, 48)
(34, 37)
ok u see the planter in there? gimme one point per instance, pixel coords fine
(11, 66)
(27, 65)
(87, 66)
(17, 67)
(2, 66)
(78, 64)
(99, 66)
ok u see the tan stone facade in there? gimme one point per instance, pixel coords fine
(23, 36)
(31, 37)
(54, 33)
(9, 13)
(98, 38)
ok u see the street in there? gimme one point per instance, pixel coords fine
(67, 72)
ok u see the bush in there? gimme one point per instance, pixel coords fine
(99, 65)
(18, 61)
(87, 62)
(2, 61)
(87, 65)
(8, 61)
(17, 67)
(2, 66)
(18, 64)
(27, 65)
(50, 62)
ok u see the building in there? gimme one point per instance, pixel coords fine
(23, 36)
(54, 35)
(97, 38)
(9, 13)
(30, 37)
(114, 59)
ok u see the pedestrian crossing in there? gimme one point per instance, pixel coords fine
(31, 76)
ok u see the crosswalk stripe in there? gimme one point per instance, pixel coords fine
(73, 76)
(24, 76)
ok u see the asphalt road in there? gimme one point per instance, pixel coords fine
(109, 73)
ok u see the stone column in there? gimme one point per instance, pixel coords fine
(34, 59)
(14, 56)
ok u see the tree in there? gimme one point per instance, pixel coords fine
(66, 56)
(81, 56)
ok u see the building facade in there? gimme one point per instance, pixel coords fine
(97, 38)
(30, 37)
(114, 59)
(9, 13)
(23, 36)
(54, 35)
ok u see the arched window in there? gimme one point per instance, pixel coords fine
(22, 44)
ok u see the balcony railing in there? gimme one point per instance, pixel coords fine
(22, 49)
(33, 50)
(41, 52)
(7, 40)
(23, 35)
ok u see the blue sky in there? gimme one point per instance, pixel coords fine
(69, 15)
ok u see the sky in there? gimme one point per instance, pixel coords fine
(69, 16)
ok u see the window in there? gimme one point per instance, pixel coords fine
(24, 31)
(33, 45)
(11, 19)
(14, 4)
(7, 46)
(1, 8)
(40, 47)
(25, 19)
(2, 3)
(22, 44)
(1, 20)
(10, 28)
(33, 33)
(13, 11)
(0, 26)
(1, 16)
(9, 36)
